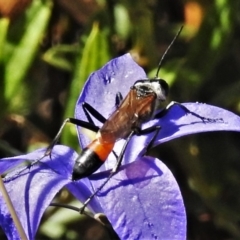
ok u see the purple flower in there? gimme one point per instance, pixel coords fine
(143, 200)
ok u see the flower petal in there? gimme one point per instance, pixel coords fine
(32, 190)
(10, 162)
(82, 190)
(176, 123)
(143, 201)
(135, 192)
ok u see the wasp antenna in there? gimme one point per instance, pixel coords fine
(166, 51)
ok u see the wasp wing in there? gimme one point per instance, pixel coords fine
(131, 113)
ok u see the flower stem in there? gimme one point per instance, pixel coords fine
(12, 211)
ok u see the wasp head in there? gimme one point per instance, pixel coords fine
(149, 86)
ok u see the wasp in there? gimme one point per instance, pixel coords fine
(139, 106)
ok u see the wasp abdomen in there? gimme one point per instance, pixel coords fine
(91, 158)
(86, 164)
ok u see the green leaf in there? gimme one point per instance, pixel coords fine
(94, 55)
(57, 56)
(25, 51)
(4, 25)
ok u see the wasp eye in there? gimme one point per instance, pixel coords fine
(145, 88)
(164, 86)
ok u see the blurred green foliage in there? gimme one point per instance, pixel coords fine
(47, 53)
(18, 52)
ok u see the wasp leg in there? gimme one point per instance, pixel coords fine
(88, 109)
(155, 129)
(55, 140)
(113, 171)
(120, 157)
(138, 132)
(74, 121)
(185, 109)
(118, 100)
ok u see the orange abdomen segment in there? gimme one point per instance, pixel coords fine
(102, 149)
